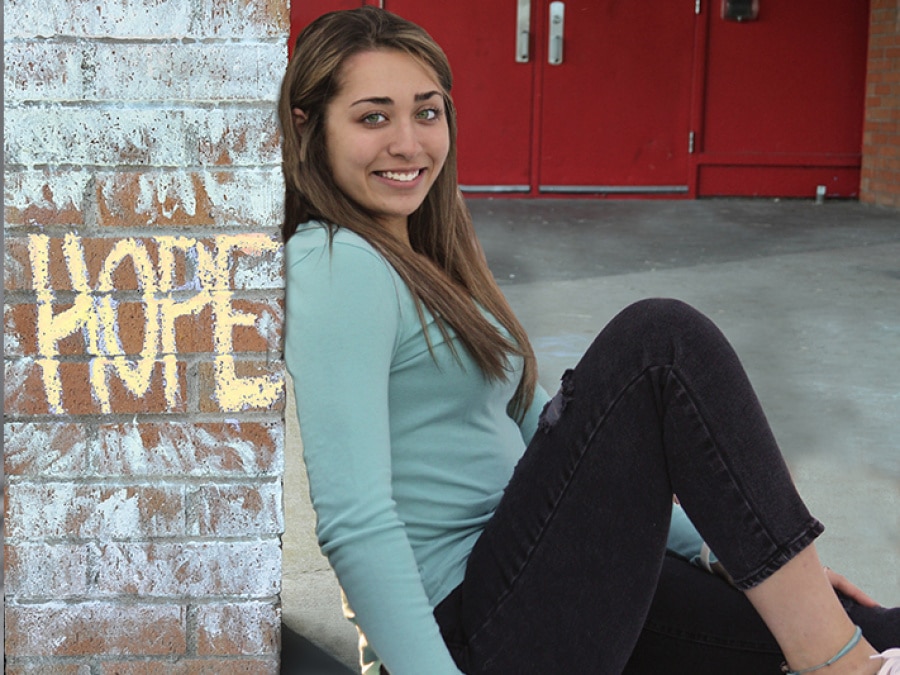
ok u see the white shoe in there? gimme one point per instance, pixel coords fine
(891, 664)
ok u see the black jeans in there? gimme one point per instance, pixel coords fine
(699, 625)
(563, 579)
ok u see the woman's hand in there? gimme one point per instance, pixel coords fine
(845, 586)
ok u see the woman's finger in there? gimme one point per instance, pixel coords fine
(840, 583)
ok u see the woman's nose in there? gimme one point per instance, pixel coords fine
(405, 141)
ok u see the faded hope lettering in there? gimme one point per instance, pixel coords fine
(93, 313)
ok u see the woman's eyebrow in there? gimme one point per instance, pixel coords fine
(426, 95)
(387, 100)
(376, 100)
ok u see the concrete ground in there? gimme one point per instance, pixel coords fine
(808, 294)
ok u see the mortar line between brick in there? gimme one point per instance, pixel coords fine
(147, 480)
(168, 105)
(279, 40)
(255, 416)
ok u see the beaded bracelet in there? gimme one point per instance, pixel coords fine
(785, 668)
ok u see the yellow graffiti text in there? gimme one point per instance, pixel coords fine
(94, 314)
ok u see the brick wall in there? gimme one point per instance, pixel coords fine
(144, 389)
(880, 183)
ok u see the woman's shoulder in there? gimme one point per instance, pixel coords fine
(315, 251)
(315, 237)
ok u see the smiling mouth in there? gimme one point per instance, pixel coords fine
(401, 176)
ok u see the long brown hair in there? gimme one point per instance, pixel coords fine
(447, 273)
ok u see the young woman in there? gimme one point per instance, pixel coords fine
(475, 524)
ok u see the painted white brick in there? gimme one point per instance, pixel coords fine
(162, 105)
(125, 19)
(45, 71)
(15, 379)
(85, 628)
(246, 569)
(53, 510)
(238, 510)
(15, 273)
(242, 136)
(38, 135)
(109, 18)
(193, 72)
(53, 135)
(264, 273)
(12, 340)
(249, 18)
(42, 192)
(189, 450)
(43, 571)
(242, 628)
(53, 71)
(49, 450)
(250, 198)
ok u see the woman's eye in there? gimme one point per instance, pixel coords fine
(429, 114)
(374, 118)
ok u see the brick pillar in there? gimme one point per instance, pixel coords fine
(880, 183)
(144, 387)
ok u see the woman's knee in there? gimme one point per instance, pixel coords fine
(663, 317)
(664, 311)
(660, 332)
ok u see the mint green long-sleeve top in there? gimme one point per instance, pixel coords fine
(408, 451)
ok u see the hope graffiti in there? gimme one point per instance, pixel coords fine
(164, 297)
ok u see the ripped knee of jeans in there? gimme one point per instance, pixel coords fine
(554, 408)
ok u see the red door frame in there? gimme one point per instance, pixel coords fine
(539, 37)
(698, 89)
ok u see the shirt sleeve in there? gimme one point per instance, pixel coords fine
(341, 327)
(529, 422)
(684, 538)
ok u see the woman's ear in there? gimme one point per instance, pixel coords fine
(299, 118)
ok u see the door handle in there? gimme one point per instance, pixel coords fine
(557, 24)
(523, 31)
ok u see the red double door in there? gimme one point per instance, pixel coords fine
(649, 97)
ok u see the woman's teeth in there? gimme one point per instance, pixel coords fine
(404, 177)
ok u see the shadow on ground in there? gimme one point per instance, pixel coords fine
(299, 656)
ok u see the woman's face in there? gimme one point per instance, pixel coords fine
(386, 133)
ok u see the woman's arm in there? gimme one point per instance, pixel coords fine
(687, 542)
(683, 536)
(529, 422)
(340, 331)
